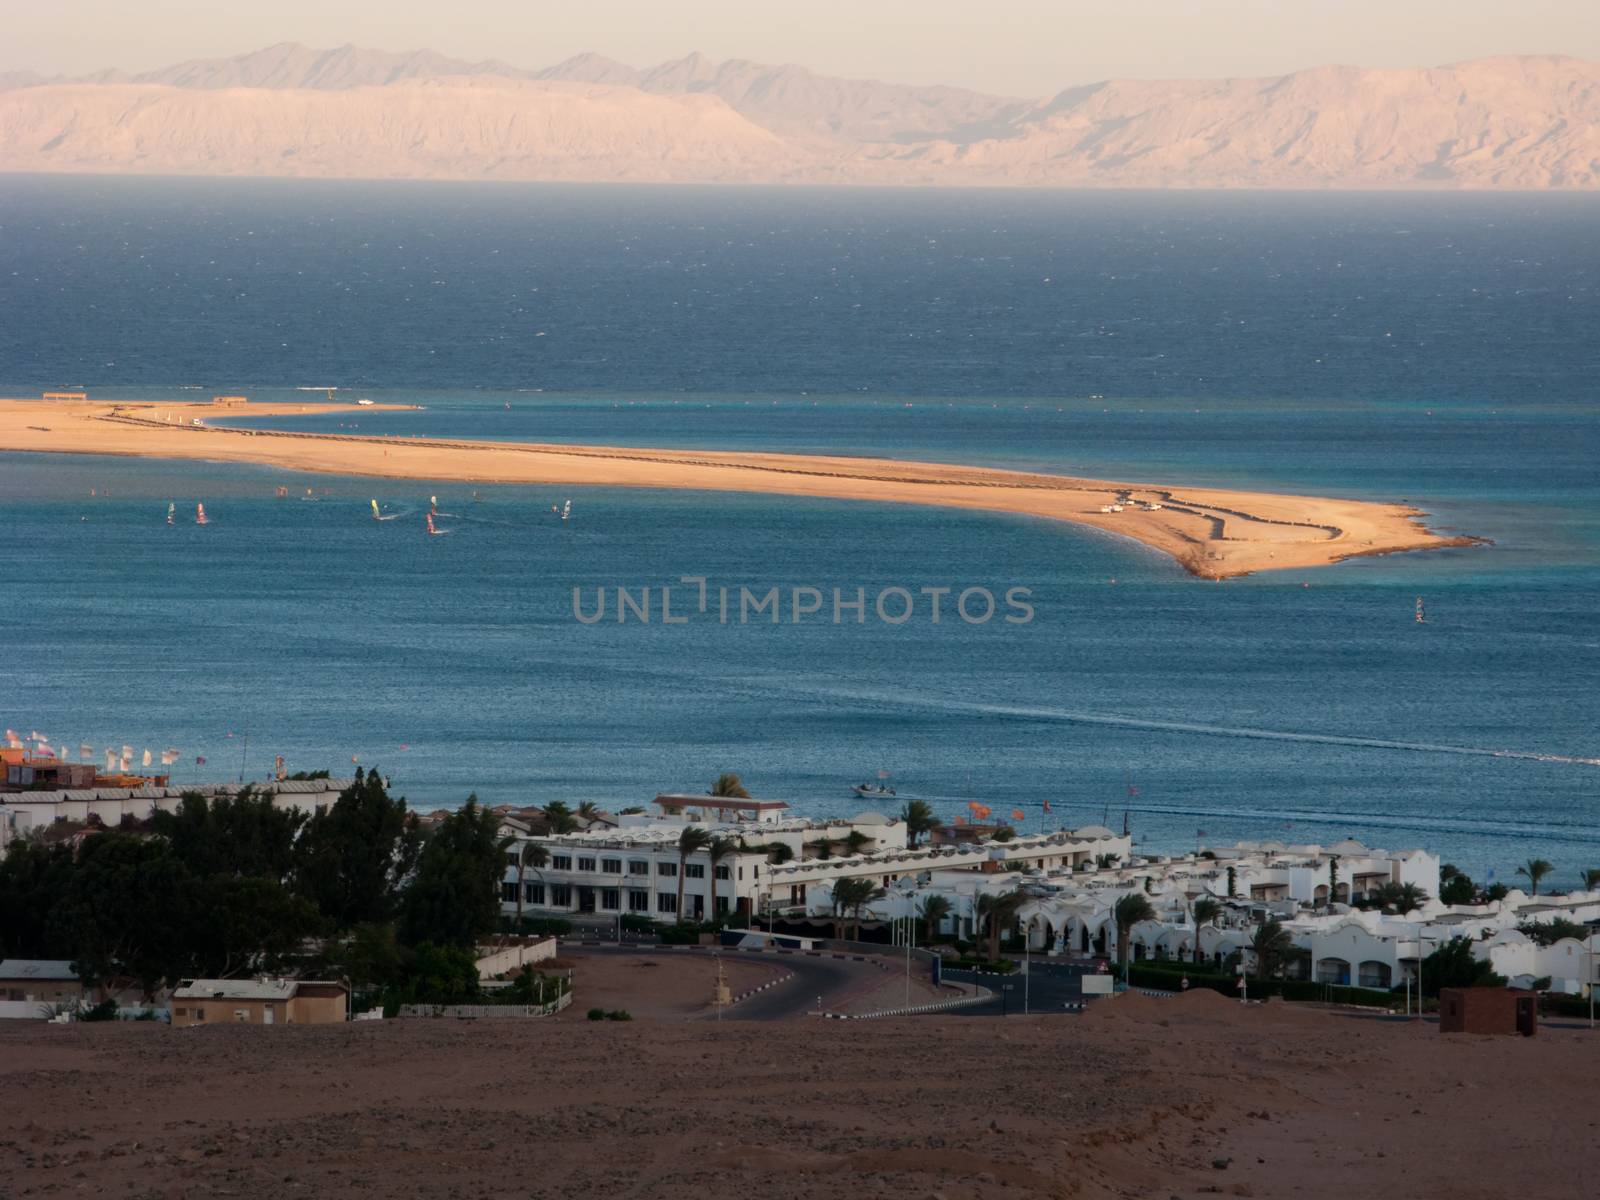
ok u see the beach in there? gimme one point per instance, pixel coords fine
(1213, 533)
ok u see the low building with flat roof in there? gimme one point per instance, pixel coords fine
(259, 1002)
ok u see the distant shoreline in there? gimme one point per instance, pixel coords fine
(1212, 533)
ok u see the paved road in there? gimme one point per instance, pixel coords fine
(833, 980)
(1050, 987)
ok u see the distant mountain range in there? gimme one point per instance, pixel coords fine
(1510, 122)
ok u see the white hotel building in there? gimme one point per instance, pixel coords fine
(634, 867)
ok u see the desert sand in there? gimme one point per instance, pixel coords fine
(1163, 1099)
(1213, 533)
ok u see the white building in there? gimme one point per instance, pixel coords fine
(22, 813)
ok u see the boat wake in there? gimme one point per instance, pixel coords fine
(1067, 716)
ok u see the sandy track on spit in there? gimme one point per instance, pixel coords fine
(1214, 533)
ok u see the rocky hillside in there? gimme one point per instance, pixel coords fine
(1511, 122)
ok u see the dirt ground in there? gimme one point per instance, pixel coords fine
(1189, 1097)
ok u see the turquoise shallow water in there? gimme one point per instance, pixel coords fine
(1186, 339)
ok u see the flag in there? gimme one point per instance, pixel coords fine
(1047, 806)
(1018, 815)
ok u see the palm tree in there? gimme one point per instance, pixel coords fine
(934, 909)
(919, 820)
(1206, 910)
(559, 817)
(1105, 860)
(692, 840)
(1535, 869)
(1129, 911)
(718, 848)
(1401, 897)
(728, 786)
(1271, 941)
(588, 812)
(850, 896)
(1333, 880)
(1591, 880)
(999, 911)
(529, 854)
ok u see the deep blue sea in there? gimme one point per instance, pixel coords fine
(1438, 349)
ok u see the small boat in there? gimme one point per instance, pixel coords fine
(872, 791)
(200, 515)
(172, 512)
(1422, 618)
(364, 403)
(433, 532)
(566, 510)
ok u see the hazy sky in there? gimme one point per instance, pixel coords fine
(1021, 47)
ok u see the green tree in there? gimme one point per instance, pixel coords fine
(246, 924)
(1533, 871)
(1103, 861)
(132, 910)
(559, 817)
(588, 812)
(352, 859)
(1129, 911)
(1458, 888)
(728, 786)
(1548, 933)
(850, 896)
(1233, 882)
(1333, 879)
(440, 975)
(1271, 943)
(1591, 879)
(1206, 911)
(231, 835)
(1400, 897)
(34, 881)
(821, 848)
(370, 957)
(779, 852)
(919, 819)
(455, 897)
(1453, 965)
(934, 909)
(691, 841)
(856, 842)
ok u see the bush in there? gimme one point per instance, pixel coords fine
(636, 923)
(619, 1014)
(106, 1010)
(597, 1014)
